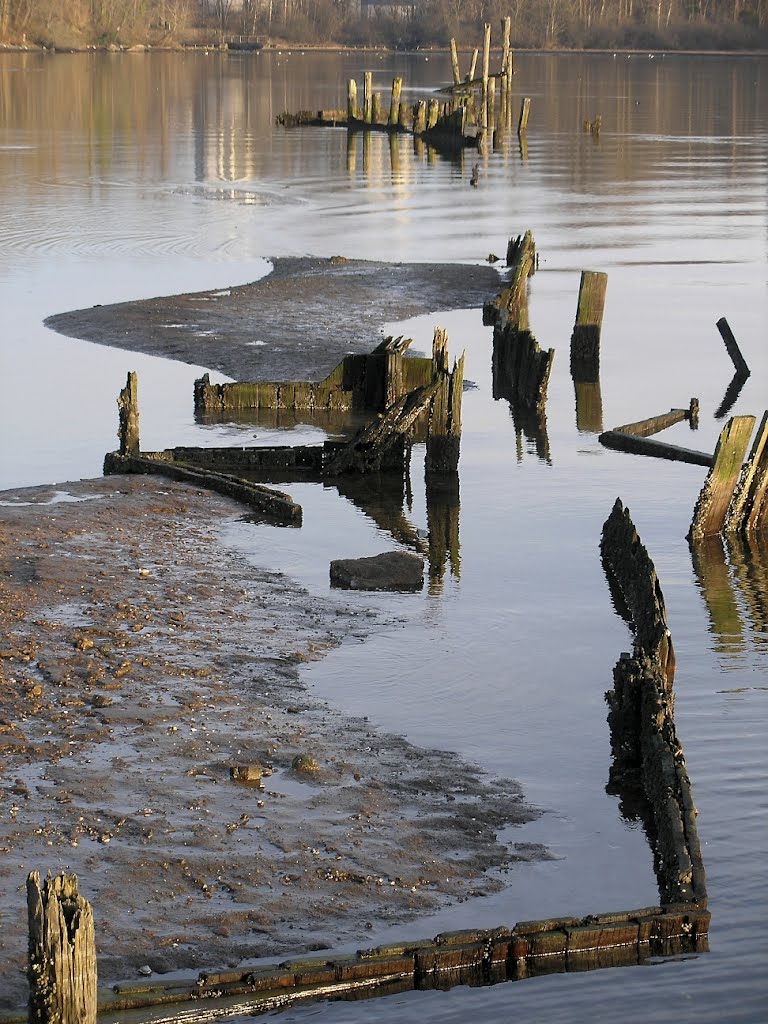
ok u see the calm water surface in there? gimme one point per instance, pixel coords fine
(126, 176)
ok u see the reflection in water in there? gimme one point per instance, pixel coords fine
(589, 407)
(732, 574)
(731, 395)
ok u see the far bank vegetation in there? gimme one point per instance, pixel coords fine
(400, 24)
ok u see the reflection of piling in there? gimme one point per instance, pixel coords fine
(128, 416)
(647, 754)
(443, 528)
(62, 952)
(585, 340)
(589, 406)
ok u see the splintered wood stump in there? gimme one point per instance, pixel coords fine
(747, 512)
(585, 340)
(62, 952)
(715, 496)
(128, 413)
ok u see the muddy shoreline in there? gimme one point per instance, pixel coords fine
(142, 660)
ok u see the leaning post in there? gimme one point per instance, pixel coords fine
(455, 63)
(525, 109)
(61, 965)
(715, 497)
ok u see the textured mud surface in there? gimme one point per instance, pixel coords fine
(140, 660)
(295, 324)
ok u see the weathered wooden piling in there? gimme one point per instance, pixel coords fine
(368, 97)
(732, 348)
(394, 102)
(715, 496)
(352, 111)
(444, 429)
(585, 339)
(486, 70)
(128, 416)
(62, 952)
(473, 65)
(455, 62)
(647, 753)
(748, 510)
(525, 109)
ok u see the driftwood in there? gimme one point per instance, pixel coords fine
(635, 437)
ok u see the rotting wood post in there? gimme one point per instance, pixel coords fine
(394, 102)
(376, 113)
(715, 496)
(732, 348)
(585, 340)
(128, 416)
(420, 117)
(746, 512)
(473, 65)
(486, 69)
(444, 428)
(506, 35)
(491, 103)
(368, 97)
(433, 113)
(455, 63)
(525, 109)
(352, 111)
(404, 116)
(62, 952)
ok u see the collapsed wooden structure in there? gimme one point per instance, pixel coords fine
(468, 117)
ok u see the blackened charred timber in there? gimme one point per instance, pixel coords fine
(647, 754)
(585, 339)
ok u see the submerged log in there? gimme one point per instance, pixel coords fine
(715, 496)
(62, 952)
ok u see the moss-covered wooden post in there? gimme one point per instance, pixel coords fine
(715, 497)
(62, 952)
(128, 413)
(585, 340)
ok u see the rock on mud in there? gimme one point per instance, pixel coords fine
(391, 570)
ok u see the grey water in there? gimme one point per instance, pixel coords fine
(127, 176)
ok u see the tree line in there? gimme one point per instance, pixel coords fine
(404, 24)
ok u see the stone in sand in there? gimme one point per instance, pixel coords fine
(392, 570)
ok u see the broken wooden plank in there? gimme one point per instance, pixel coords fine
(732, 348)
(715, 496)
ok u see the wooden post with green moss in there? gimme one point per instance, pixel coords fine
(585, 340)
(715, 496)
(128, 413)
(747, 510)
(61, 965)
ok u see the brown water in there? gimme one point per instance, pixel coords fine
(128, 176)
